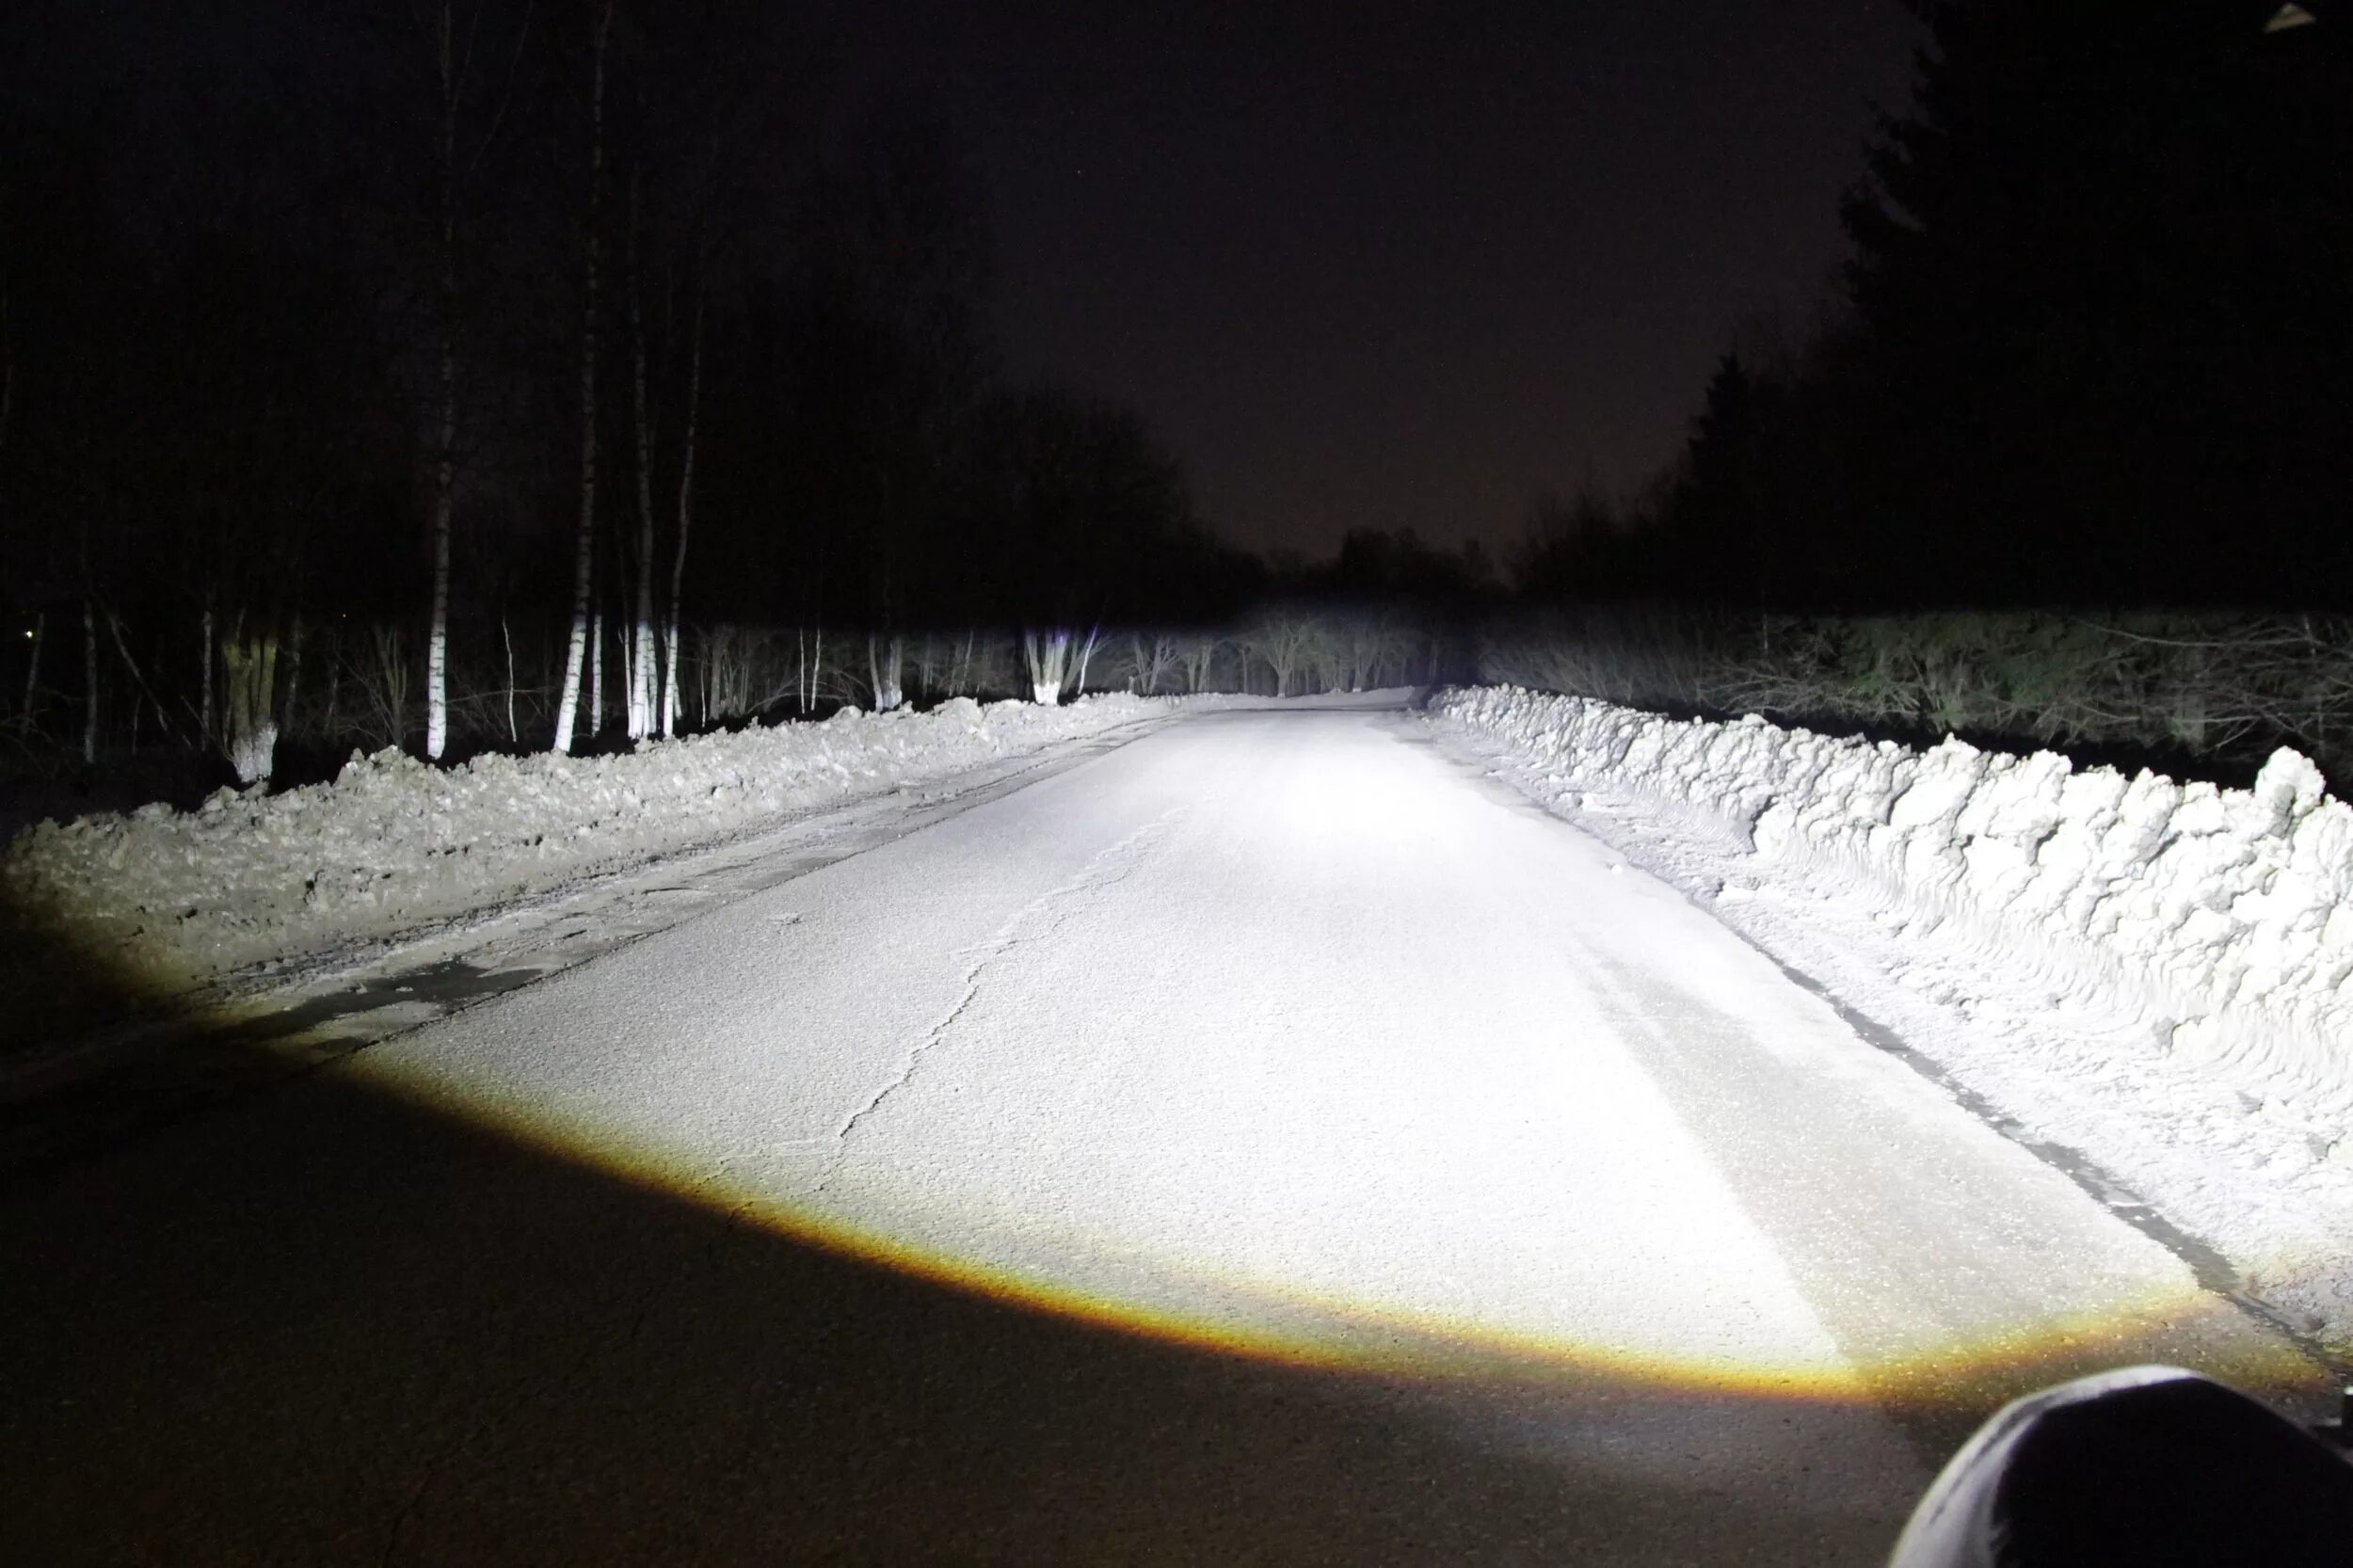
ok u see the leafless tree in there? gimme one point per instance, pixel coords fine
(1057, 660)
(1282, 639)
(685, 523)
(885, 661)
(453, 75)
(1046, 655)
(248, 657)
(1153, 657)
(641, 645)
(1197, 659)
(139, 675)
(583, 562)
(379, 669)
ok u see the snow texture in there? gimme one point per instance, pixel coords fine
(2147, 972)
(2228, 913)
(394, 844)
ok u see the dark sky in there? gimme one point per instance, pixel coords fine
(1389, 264)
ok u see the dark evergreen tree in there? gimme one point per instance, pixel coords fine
(1718, 519)
(2102, 269)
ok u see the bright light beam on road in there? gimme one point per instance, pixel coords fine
(1276, 1035)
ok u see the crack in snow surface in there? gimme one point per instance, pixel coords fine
(1118, 860)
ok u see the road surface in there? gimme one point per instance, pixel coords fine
(1269, 1141)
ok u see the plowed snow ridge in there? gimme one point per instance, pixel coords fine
(2225, 915)
(393, 844)
(2144, 978)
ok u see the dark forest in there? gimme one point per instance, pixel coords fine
(465, 375)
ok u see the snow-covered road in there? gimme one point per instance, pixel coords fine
(1271, 1141)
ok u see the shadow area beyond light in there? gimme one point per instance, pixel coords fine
(332, 1326)
(1487, 1366)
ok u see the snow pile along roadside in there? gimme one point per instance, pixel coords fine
(2225, 916)
(393, 844)
(2137, 979)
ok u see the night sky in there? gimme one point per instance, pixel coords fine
(1396, 265)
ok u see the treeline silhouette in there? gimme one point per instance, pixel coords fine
(2064, 459)
(336, 338)
(455, 374)
(2094, 345)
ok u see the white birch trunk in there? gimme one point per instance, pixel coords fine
(885, 659)
(641, 714)
(596, 675)
(445, 453)
(1048, 655)
(584, 564)
(685, 524)
(249, 728)
(514, 735)
(294, 639)
(454, 63)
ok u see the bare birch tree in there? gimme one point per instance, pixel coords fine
(1151, 656)
(685, 523)
(1057, 662)
(1046, 655)
(641, 704)
(1282, 639)
(885, 660)
(138, 676)
(583, 566)
(454, 73)
(594, 724)
(248, 657)
(709, 122)
(1196, 659)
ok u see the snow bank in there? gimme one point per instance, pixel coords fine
(2224, 917)
(393, 844)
